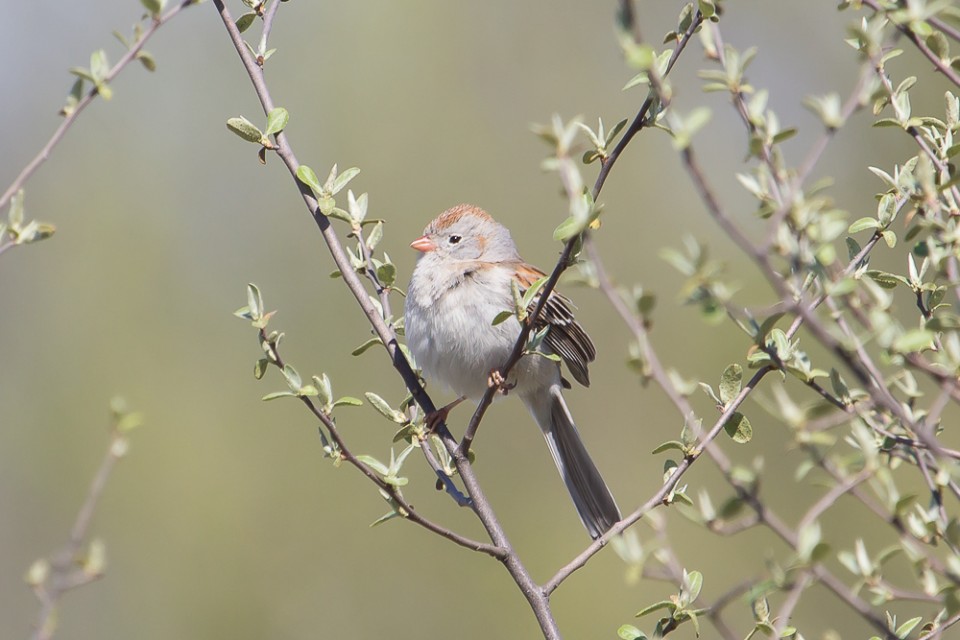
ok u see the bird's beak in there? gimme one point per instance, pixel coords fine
(423, 243)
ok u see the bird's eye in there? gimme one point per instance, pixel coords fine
(455, 239)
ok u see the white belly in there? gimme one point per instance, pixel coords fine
(456, 345)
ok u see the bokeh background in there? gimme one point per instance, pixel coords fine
(225, 520)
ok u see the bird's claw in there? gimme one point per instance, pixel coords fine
(497, 380)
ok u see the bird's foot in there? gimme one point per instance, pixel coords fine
(497, 380)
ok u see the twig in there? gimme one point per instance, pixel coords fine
(853, 103)
(790, 603)
(268, 17)
(946, 70)
(68, 120)
(64, 572)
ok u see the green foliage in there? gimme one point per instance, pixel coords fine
(277, 121)
(17, 230)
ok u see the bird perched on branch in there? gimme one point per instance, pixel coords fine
(461, 283)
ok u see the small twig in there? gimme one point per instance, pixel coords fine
(68, 120)
(268, 17)
(782, 618)
(946, 70)
(766, 150)
(828, 499)
(64, 573)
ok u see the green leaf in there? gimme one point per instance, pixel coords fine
(306, 175)
(617, 128)
(944, 322)
(693, 583)
(375, 236)
(390, 515)
(373, 463)
(245, 129)
(130, 421)
(738, 428)
(730, 383)
(532, 292)
(913, 340)
(904, 630)
(630, 632)
(153, 6)
(324, 390)
(366, 345)
(341, 180)
(348, 401)
(656, 606)
(863, 224)
(277, 121)
(569, 228)
(15, 213)
(245, 21)
(384, 408)
(886, 280)
(670, 444)
(387, 274)
(260, 368)
(82, 73)
(99, 66)
(501, 317)
(147, 60)
(839, 386)
(279, 394)
(294, 381)
(254, 301)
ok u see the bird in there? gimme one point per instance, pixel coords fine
(460, 284)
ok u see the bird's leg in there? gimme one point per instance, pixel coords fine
(440, 415)
(497, 380)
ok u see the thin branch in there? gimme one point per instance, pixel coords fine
(404, 508)
(828, 499)
(68, 120)
(64, 572)
(662, 494)
(853, 103)
(268, 17)
(779, 184)
(790, 603)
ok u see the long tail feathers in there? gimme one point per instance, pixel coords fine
(593, 500)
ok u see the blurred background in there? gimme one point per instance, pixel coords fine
(225, 520)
